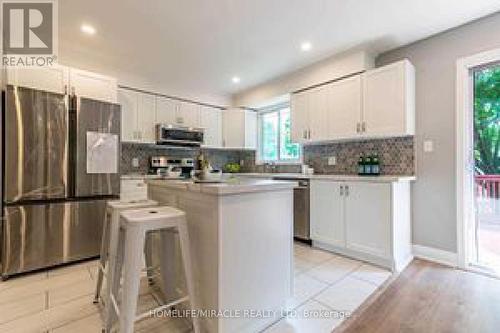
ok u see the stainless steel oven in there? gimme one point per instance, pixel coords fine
(179, 136)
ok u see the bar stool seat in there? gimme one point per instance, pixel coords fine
(109, 242)
(134, 224)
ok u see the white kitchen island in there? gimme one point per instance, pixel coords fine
(241, 236)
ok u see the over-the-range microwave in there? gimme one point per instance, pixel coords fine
(178, 135)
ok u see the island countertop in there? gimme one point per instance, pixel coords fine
(227, 187)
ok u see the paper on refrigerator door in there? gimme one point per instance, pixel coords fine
(102, 153)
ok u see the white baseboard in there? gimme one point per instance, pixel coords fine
(435, 255)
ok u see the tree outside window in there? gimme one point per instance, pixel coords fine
(275, 144)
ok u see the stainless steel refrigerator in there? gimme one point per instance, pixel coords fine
(60, 165)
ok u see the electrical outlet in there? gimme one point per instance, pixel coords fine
(428, 146)
(332, 160)
(135, 162)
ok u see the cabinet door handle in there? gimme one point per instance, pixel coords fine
(309, 134)
(304, 134)
(347, 190)
(358, 127)
(363, 126)
(341, 190)
(65, 89)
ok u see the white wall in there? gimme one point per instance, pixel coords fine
(319, 72)
(434, 194)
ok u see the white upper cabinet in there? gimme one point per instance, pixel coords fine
(92, 85)
(188, 114)
(389, 100)
(211, 122)
(299, 116)
(344, 108)
(239, 129)
(138, 116)
(251, 129)
(52, 79)
(378, 103)
(129, 101)
(166, 109)
(318, 111)
(146, 118)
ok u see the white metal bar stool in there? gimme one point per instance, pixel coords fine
(134, 225)
(109, 243)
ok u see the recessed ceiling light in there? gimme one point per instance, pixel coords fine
(305, 46)
(236, 79)
(88, 29)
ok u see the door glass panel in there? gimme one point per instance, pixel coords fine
(487, 167)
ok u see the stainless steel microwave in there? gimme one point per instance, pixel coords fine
(179, 136)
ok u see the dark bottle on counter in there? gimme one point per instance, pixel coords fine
(361, 165)
(375, 165)
(368, 165)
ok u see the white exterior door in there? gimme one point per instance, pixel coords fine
(211, 122)
(146, 117)
(368, 218)
(344, 108)
(165, 110)
(299, 110)
(327, 212)
(51, 78)
(387, 100)
(129, 101)
(92, 85)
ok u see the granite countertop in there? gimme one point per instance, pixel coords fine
(379, 179)
(229, 186)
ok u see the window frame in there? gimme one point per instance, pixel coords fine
(277, 108)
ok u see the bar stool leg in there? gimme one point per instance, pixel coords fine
(168, 264)
(116, 245)
(134, 245)
(148, 248)
(186, 259)
(103, 257)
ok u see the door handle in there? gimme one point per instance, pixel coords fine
(309, 134)
(358, 127)
(341, 190)
(347, 190)
(363, 126)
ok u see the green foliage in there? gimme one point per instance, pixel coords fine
(487, 120)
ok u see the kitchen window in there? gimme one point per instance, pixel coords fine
(275, 143)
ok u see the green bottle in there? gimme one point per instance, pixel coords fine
(361, 165)
(368, 165)
(375, 165)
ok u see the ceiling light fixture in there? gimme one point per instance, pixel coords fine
(305, 46)
(236, 79)
(88, 29)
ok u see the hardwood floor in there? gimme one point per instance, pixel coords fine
(430, 298)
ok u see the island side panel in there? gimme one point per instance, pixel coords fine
(256, 249)
(202, 216)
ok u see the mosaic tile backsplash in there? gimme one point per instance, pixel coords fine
(397, 157)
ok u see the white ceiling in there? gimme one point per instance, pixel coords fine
(198, 46)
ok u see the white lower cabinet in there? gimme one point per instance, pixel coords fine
(327, 212)
(368, 218)
(133, 189)
(365, 220)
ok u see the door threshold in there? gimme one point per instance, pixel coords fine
(483, 270)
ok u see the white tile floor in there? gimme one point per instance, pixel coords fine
(60, 300)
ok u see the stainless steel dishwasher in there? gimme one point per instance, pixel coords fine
(301, 222)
